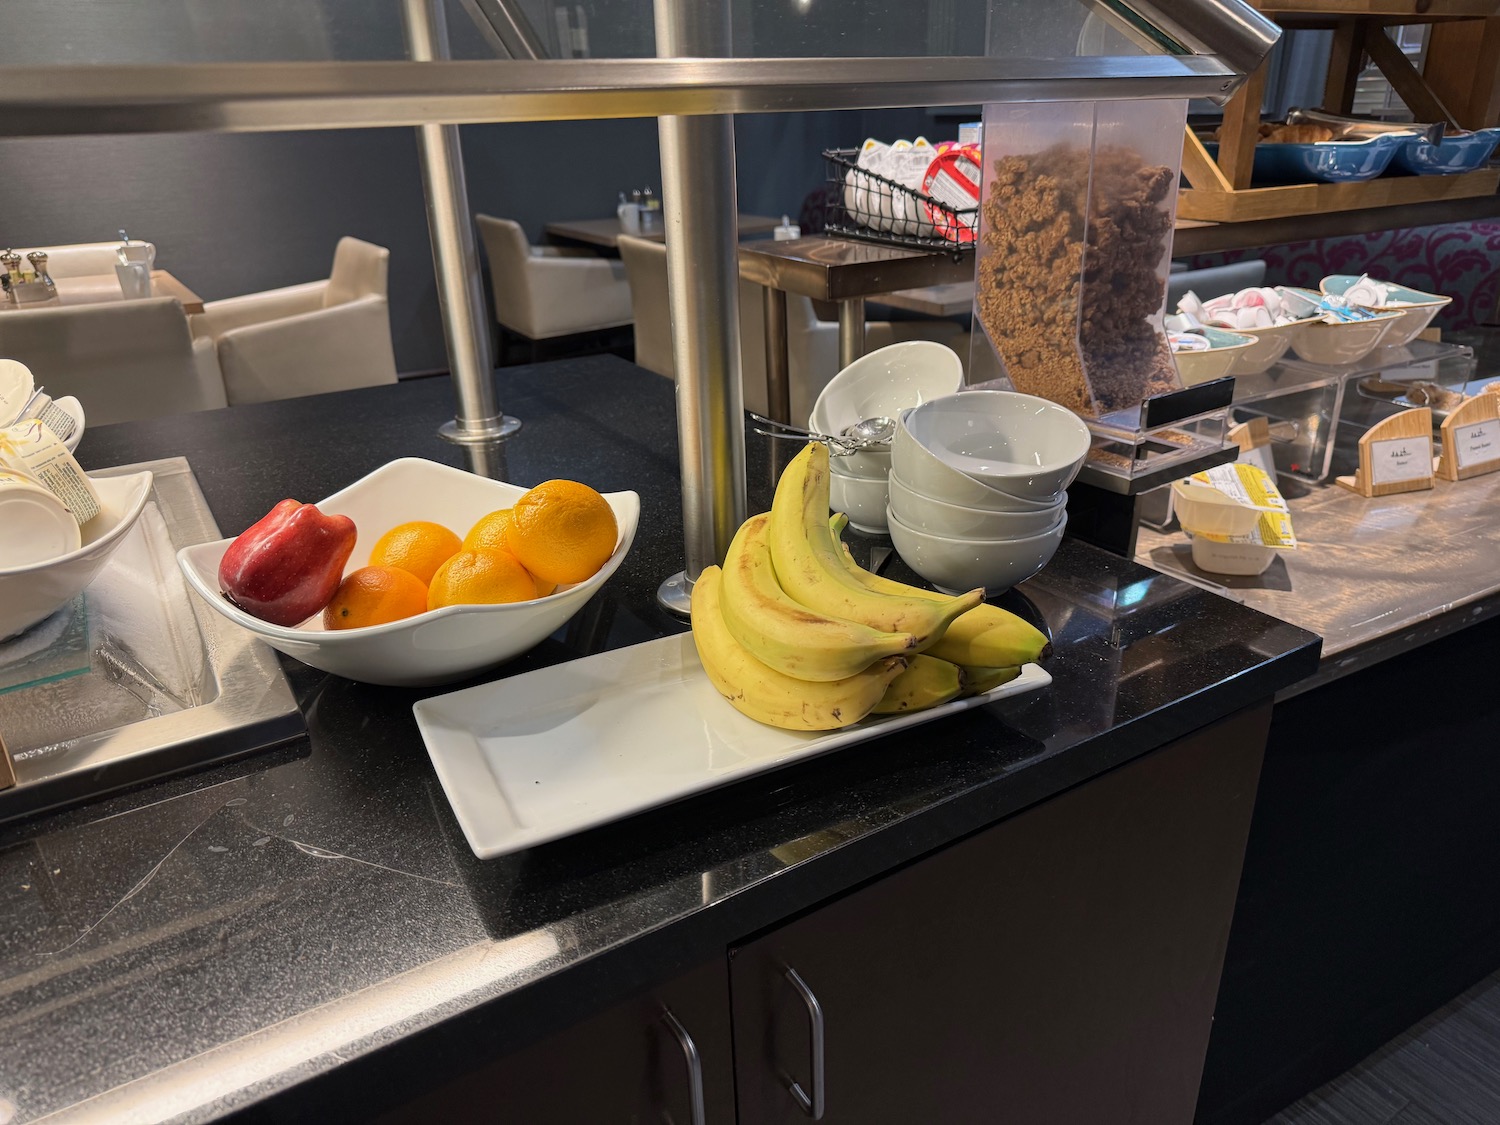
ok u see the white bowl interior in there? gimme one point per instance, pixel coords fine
(1023, 444)
(885, 382)
(922, 470)
(438, 645)
(28, 594)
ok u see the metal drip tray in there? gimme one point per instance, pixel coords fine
(136, 678)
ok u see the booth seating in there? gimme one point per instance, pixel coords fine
(124, 360)
(812, 344)
(329, 335)
(544, 292)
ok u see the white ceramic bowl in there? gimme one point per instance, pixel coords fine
(883, 384)
(920, 468)
(29, 594)
(1020, 444)
(440, 645)
(1270, 344)
(956, 565)
(1416, 313)
(925, 513)
(1218, 361)
(861, 499)
(1336, 345)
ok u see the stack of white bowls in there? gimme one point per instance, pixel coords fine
(879, 385)
(978, 487)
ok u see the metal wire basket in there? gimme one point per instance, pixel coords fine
(868, 206)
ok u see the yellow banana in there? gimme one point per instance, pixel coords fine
(772, 697)
(926, 682)
(810, 566)
(986, 636)
(783, 634)
(981, 680)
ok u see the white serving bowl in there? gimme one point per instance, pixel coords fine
(1224, 352)
(920, 468)
(440, 645)
(1336, 345)
(861, 499)
(1269, 345)
(955, 565)
(1416, 313)
(937, 517)
(1020, 444)
(881, 385)
(29, 594)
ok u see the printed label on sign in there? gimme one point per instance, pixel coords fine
(1478, 444)
(1400, 459)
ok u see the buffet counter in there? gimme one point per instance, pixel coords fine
(304, 934)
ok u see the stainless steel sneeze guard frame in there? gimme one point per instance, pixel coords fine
(270, 97)
(252, 709)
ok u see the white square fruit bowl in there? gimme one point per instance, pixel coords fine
(438, 646)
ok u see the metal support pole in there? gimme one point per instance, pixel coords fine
(778, 365)
(698, 192)
(455, 258)
(851, 330)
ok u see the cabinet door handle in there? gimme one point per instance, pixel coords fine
(811, 1103)
(694, 1065)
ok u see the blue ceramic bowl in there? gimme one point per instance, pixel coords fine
(1454, 154)
(1329, 162)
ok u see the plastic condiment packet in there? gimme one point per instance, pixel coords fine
(31, 448)
(1251, 487)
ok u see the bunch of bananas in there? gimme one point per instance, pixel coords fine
(794, 634)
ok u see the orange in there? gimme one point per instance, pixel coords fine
(375, 595)
(418, 548)
(562, 531)
(489, 533)
(480, 578)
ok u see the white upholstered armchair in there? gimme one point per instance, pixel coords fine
(307, 339)
(542, 292)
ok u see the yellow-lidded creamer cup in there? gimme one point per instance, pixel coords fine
(30, 447)
(37, 525)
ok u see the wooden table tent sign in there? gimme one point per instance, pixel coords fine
(1471, 439)
(1395, 455)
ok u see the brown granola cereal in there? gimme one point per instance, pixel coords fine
(1066, 286)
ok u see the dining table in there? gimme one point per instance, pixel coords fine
(605, 233)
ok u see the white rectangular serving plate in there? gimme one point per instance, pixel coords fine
(542, 755)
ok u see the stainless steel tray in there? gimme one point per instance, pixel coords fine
(102, 712)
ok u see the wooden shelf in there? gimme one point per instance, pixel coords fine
(1319, 199)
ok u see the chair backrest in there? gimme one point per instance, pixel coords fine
(81, 259)
(646, 269)
(123, 360)
(506, 248)
(360, 269)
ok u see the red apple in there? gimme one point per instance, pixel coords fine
(286, 567)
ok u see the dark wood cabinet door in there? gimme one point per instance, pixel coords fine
(625, 1066)
(1059, 968)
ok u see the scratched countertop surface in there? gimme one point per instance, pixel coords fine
(310, 917)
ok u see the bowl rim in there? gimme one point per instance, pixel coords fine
(1060, 502)
(344, 637)
(1056, 528)
(1030, 470)
(867, 360)
(1437, 298)
(1222, 348)
(127, 520)
(1028, 504)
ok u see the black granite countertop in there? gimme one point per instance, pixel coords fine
(205, 943)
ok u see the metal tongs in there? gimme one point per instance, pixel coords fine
(866, 434)
(1363, 128)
